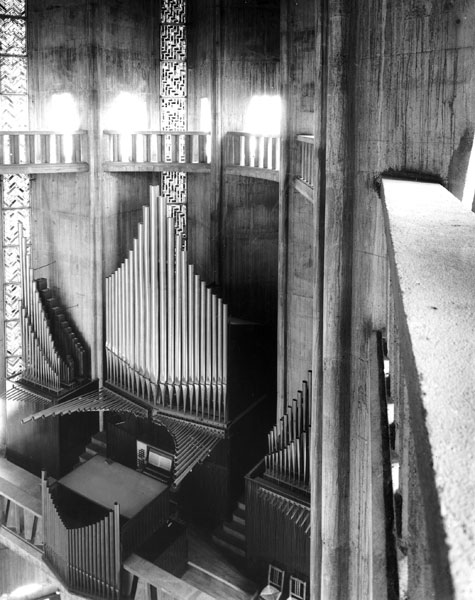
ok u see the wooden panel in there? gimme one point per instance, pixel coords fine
(26, 445)
(272, 535)
(250, 249)
(299, 293)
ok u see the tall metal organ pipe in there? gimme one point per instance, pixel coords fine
(288, 458)
(166, 332)
(52, 355)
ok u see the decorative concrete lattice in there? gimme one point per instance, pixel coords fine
(11, 263)
(178, 212)
(12, 292)
(173, 114)
(11, 220)
(173, 42)
(15, 189)
(172, 79)
(13, 75)
(13, 7)
(174, 187)
(173, 11)
(173, 88)
(13, 38)
(15, 210)
(13, 111)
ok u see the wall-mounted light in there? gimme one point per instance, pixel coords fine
(62, 116)
(127, 113)
(62, 113)
(205, 124)
(263, 115)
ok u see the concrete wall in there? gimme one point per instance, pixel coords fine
(396, 95)
(233, 220)
(84, 223)
(299, 84)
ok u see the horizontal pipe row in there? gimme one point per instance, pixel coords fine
(166, 332)
(28, 148)
(192, 444)
(158, 147)
(249, 150)
(290, 509)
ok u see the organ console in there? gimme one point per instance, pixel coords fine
(53, 356)
(166, 331)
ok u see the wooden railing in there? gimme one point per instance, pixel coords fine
(157, 150)
(20, 513)
(430, 358)
(86, 559)
(252, 155)
(306, 154)
(143, 579)
(42, 151)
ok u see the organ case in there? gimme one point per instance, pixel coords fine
(168, 333)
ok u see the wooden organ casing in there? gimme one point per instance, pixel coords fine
(55, 368)
(278, 493)
(171, 346)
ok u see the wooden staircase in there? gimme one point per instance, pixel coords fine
(97, 445)
(231, 535)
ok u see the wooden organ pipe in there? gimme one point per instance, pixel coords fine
(287, 459)
(52, 355)
(166, 332)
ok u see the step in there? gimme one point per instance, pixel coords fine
(230, 542)
(93, 449)
(241, 506)
(100, 439)
(239, 516)
(212, 584)
(235, 529)
(85, 456)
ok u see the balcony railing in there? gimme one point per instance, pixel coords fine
(20, 511)
(157, 151)
(43, 152)
(252, 155)
(306, 153)
(430, 358)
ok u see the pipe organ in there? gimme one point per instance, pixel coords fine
(288, 442)
(278, 493)
(53, 357)
(166, 331)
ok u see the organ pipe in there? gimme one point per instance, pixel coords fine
(52, 354)
(287, 459)
(166, 331)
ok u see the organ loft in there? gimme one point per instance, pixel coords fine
(237, 352)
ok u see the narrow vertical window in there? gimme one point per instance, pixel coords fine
(173, 107)
(15, 192)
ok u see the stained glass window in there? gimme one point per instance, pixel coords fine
(15, 192)
(173, 109)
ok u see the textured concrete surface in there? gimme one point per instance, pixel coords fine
(433, 249)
